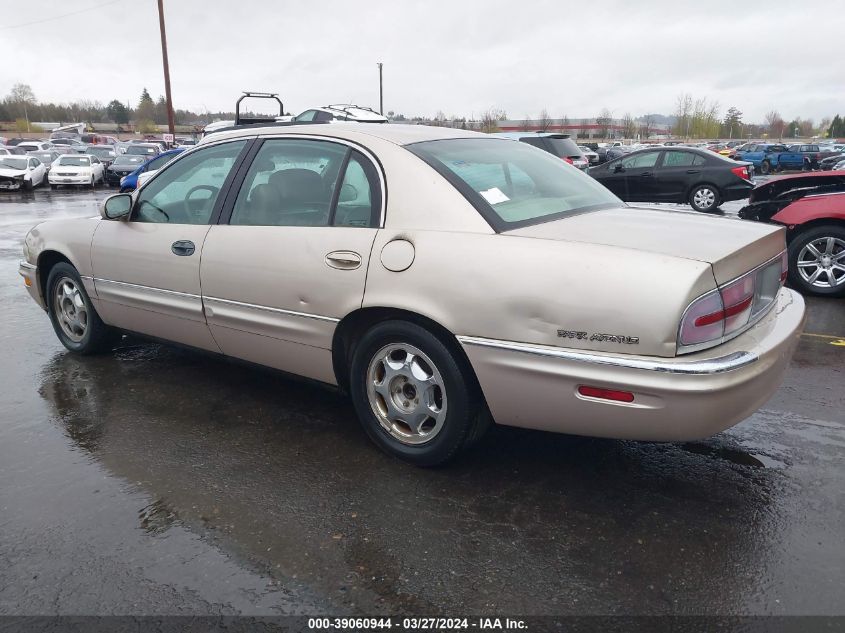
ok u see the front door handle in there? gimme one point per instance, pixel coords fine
(646, 174)
(343, 260)
(183, 248)
(693, 171)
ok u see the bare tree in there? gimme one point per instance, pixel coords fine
(527, 123)
(683, 114)
(629, 128)
(646, 126)
(439, 119)
(774, 123)
(490, 120)
(604, 121)
(22, 95)
(544, 121)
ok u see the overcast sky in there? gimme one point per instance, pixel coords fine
(459, 56)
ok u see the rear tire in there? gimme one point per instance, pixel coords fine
(705, 198)
(414, 396)
(765, 167)
(72, 314)
(804, 263)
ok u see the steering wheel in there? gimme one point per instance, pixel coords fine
(214, 190)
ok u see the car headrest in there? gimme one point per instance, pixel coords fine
(299, 184)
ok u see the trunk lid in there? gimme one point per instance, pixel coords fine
(731, 246)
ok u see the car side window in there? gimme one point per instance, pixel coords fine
(290, 183)
(158, 163)
(647, 159)
(698, 161)
(675, 158)
(359, 200)
(187, 191)
(321, 116)
(308, 115)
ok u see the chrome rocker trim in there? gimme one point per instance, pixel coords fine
(731, 362)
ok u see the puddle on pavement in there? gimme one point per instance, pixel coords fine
(735, 456)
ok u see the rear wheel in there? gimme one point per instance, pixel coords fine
(704, 198)
(413, 395)
(817, 261)
(765, 167)
(74, 318)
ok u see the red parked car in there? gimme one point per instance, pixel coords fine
(812, 208)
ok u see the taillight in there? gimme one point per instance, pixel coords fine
(740, 172)
(568, 160)
(730, 309)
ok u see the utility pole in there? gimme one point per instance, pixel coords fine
(380, 89)
(170, 123)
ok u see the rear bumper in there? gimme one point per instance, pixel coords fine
(681, 398)
(737, 191)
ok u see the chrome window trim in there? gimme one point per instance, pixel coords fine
(304, 315)
(722, 364)
(752, 321)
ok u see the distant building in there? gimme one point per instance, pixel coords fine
(584, 128)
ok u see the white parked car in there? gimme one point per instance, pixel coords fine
(34, 146)
(18, 172)
(591, 156)
(76, 169)
(840, 165)
(340, 112)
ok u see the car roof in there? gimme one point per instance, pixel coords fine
(518, 135)
(392, 132)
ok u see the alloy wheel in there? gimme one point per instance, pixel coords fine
(406, 393)
(70, 309)
(821, 262)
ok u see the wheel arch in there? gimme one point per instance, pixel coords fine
(797, 230)
(47, 259)
(351, 328)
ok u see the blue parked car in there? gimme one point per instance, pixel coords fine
(130, 181)
(769, 157)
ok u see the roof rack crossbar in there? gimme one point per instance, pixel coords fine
(257, 95)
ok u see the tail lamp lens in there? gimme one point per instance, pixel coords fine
(740, 172)
(728, 310)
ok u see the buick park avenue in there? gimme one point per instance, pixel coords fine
(444, 279)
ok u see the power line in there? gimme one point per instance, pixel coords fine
(58, 17)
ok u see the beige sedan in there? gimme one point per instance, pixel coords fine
(444, 279)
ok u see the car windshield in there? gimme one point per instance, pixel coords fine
(44, 157)
(141, 149)
(128, 159)
(101, 152)
(13, 163)
(513, 184)
(74, 161)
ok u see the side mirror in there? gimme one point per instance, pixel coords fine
(618, 168)
(116, 206)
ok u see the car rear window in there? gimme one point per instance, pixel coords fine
(513, 185)
(564, 147)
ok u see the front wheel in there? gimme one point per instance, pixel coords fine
(817, 261)
(765, 167)
(416, 399)
(74, 318)
(704, 198)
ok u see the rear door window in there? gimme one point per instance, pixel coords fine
(675, 158)
(638, 161)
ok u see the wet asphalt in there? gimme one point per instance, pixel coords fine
(155, 480)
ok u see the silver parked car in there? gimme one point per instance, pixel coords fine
(442, 278)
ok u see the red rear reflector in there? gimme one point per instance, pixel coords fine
(715, 317)
(606, 394)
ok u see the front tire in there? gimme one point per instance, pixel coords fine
(705, 198)
(765, 167)
(72, 314)
(416, 399)
(817, 261)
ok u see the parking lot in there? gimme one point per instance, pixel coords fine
(162, 481)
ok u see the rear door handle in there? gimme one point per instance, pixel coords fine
(183, 248)
(343, 260)
(646, 174)
(693, 171)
